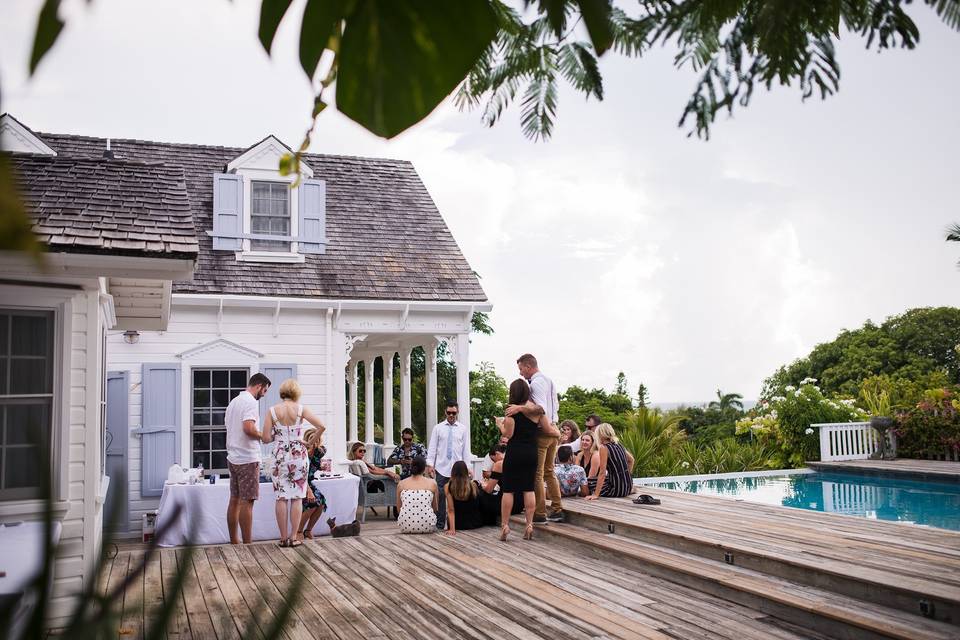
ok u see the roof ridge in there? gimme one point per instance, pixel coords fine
(216, 147)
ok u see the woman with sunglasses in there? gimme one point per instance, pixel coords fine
(361, 467)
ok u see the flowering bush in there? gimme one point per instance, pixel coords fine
(784, 421)
(932, 427)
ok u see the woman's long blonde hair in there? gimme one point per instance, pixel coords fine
(605, 433)
(593, 442)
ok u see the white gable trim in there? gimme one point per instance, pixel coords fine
(17, 138)
(219, 343)
(265, 155)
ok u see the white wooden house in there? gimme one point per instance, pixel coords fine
(118, 232)
(295, 278)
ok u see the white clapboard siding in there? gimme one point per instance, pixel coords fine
(300, 340)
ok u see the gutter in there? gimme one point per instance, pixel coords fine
(274, 302)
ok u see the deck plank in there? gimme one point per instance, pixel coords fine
(178, 628)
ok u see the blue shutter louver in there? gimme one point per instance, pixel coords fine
(227, 211)
(312, 206)
(160, 425)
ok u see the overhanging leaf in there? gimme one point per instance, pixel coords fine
(399, 60)
(596, 16)
(271, 13)
(16, 228)
(49, 26)
(321, 18)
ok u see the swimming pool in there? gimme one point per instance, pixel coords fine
(934, 504)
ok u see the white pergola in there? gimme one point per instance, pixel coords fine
(380, 334)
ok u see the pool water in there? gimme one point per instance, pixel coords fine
(935, 504)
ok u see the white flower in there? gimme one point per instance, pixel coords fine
(789, 388)
(778, 398)
(684, 464)
(808, 381)
(498, 403)
(476, 400)
(486, 422)
(808, 431)
(773, 414)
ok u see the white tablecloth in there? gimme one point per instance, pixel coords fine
(21, 558)
(205, 509)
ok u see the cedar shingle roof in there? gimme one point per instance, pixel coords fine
(96, 205)
(387, 240)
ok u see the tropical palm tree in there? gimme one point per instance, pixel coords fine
(652, 437)
(953, 234)
(726, 401)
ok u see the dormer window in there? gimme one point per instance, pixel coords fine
(269, 214)
(263, 216)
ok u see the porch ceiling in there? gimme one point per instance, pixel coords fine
(140, 304)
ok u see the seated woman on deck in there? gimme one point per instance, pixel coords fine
(490, 495)
(614, 466)
(463, 503)
(417, 500)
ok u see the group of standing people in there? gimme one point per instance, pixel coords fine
(297, 452)
(525, 468)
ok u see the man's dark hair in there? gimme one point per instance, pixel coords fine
(527, 359)
(452, 403)
(495, 447)
(407, 430)
(418, 466)
(564, 453)
(258, 379)
(595, 419)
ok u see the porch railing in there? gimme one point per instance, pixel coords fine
(850, 441)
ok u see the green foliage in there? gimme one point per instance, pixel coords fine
(932, 428)
(654, 439)
(784, 422)
(488, 397)
(576, 403)
(912, 346)
(875, 393)
(643, 396)
(726, 455)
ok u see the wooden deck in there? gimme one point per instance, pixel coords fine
(919, 469)
(392, 586)
(661, 574)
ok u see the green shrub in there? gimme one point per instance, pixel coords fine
(931, 428)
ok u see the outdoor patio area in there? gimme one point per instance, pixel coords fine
(617, 570)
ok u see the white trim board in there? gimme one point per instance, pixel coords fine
(723, 476)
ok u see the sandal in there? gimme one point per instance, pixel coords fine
(528, 532)
(308, 535)
(645, 498)
(284, 544)
(295, 543)
(504, 530)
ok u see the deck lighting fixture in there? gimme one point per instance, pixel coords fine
(131, 337)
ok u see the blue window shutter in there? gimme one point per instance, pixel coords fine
(277, 374)
(160, 428)
(313, 216)
(227, 211)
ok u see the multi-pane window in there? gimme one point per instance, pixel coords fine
(26, 400)
(270, 214)
(213, 389)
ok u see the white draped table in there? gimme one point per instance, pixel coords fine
(205, 511)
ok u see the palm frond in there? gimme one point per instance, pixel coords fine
(948, 11)
(953, 232)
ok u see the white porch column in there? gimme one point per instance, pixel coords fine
(388, 403)
(462, 352)
(352, 377)
(369, 407)
(406, 419)
(430, 352)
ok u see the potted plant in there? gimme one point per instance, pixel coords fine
(876, 398)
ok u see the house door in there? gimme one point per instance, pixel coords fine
(116, 507)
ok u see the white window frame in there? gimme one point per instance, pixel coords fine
(211, 368)
(60, 301)
(248, 176)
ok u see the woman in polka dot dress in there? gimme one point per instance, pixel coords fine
(417, 500)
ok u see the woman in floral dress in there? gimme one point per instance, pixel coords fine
(284, 427)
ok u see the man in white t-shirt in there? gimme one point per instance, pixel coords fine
(243, 456)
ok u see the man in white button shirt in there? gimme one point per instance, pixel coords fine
(243, 456)
(544, 394)
(448, 444)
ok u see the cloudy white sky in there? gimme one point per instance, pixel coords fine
(620, 244)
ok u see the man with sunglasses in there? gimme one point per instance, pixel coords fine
(448, 444)
(405, 452)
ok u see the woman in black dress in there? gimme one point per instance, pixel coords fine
(519, 462)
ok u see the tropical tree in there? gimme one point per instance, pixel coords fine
(727, 401)
(654, 439)
(643, 396)
(953, 234)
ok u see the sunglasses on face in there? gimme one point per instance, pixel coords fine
(451, 413)
(361, 450)
(408, 439)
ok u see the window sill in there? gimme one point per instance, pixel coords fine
(31, 509)
(270, 256)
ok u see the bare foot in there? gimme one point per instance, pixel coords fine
(308, 535)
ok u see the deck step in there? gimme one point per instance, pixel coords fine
(881, 587)
(823, 611)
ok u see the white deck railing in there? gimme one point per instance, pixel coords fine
(849, 441)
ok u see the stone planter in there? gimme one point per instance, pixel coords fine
(882, 425)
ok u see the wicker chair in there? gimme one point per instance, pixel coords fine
(386, 498)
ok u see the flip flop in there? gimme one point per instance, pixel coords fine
(645, 498)
(296, 543)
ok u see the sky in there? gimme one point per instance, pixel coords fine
(619, 245)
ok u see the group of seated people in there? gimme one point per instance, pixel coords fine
(590, 465)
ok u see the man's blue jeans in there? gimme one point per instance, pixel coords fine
(442, 481)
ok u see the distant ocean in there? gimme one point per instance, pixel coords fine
(667, 406)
